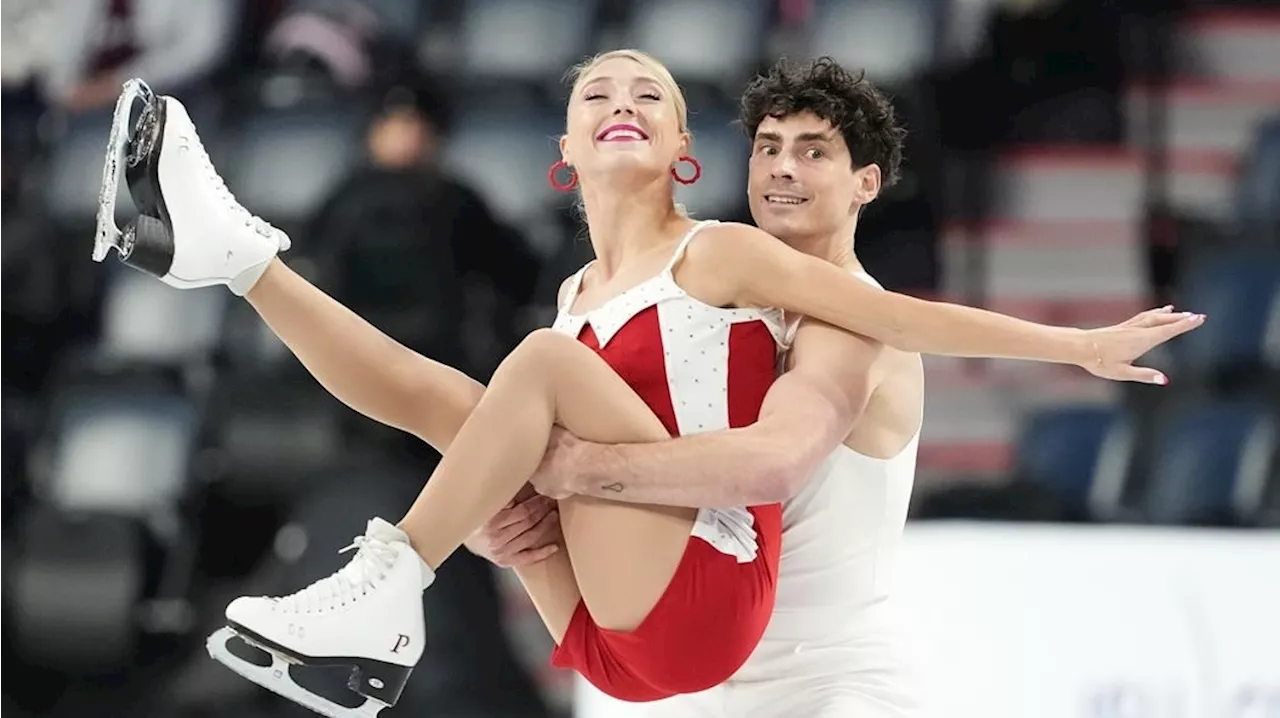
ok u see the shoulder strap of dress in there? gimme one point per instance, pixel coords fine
(684, 242)
(575, 284)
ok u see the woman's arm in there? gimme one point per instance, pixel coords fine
(763, 271)
(359, 365)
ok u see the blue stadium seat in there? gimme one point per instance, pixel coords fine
(281, 163)
(1258, 185)
(723, 152)
(891, 39)
(528, 40)
(1078, 453)
(1237, 292)
(708, 41)
(505, 155)
(1211, 465)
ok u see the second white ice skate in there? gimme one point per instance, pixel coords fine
(367, 616)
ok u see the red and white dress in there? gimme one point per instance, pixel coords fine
(699, 368)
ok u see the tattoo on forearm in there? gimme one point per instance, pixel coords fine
(615, 487)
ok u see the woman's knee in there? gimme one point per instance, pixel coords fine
(548, 342)
(543, 349)
(531, 364)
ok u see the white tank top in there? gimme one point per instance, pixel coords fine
(840, 537)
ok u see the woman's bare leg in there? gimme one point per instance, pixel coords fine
(553, 589)
(553, 379)
(407, 390)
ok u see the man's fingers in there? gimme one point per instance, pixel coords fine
(530, 556)
(520, 536)
(548, 526)
(528, 511)
(502, 537)
(531, 542)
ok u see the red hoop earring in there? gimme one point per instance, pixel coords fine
(697, 171)
(555, 181)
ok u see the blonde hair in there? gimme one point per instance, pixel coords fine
(578, 73)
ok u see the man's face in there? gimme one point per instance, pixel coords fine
(801, 181)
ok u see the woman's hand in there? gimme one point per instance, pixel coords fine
(1115, 348)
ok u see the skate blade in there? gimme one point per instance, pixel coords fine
(276, 678)
(108, 234)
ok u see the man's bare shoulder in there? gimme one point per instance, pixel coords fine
(842, 359)
(876, 382)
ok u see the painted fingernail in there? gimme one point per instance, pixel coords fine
(1161, 379)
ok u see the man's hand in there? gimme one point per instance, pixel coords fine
(525, 532)
(559, 475)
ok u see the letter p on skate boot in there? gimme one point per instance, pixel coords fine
(190, 230)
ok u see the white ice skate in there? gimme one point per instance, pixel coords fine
(367, 616)
(190, 232)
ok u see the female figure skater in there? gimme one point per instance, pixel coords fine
(675, 328)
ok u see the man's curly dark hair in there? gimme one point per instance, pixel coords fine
(862, 114)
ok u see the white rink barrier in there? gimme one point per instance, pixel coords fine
(1038, 621)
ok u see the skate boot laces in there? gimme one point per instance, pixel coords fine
(371, 564)
(253, 221)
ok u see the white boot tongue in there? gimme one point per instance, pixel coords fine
(380, 530)
(386, 532)
(360, 568)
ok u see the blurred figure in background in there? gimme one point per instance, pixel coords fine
(101, 43)
(25, 28)
(420, 255)
(405, 244)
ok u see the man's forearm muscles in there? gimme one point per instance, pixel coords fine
(758, 464)
(720, 469)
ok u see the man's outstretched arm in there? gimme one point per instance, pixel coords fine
(807, 413)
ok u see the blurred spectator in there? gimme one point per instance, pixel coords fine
(25, 29)
(354, 43)
(97, 44)
(418, 252)
(24, 33)
(419, 255)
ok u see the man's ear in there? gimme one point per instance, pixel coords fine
(869, 182)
